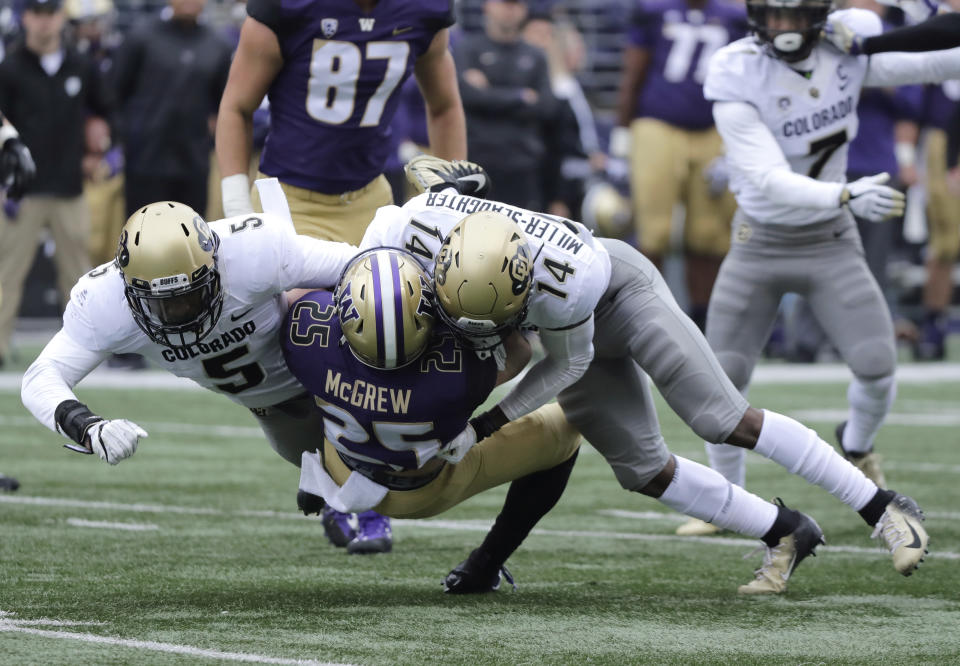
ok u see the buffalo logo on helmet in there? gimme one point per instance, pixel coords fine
(204, 236)
(444, 259)
(519, 269)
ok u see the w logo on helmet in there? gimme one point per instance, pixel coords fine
(519, 269)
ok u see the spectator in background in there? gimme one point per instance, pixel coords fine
(574, 149)
(169, 76)
(91, 28)
(942, 112)
(665, 128)
(47, 90)
(505, 84)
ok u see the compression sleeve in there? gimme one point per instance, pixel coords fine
(50, 379)
(569, 352)
(753, 150)
(897, 69)
(938, 33)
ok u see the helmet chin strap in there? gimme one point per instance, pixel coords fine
(788, 42)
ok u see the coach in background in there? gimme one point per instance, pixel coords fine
(47, 90)
(169, 75)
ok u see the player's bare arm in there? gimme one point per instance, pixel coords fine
(256, 63)
(437, 77)
(636, 61)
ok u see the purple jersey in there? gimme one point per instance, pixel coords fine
(680, 40)
(397, 418)
(871, 151)
(333, 99)
(940, 104)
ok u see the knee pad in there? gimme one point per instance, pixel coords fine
(873, 358)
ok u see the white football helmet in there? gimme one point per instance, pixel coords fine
(482, 278)
(385, 306)
(168, 258)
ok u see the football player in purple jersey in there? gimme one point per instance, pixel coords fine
(332, 72)
(665, 128)
(395, 392)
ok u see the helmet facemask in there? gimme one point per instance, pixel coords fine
(789, 28)
(168, 257)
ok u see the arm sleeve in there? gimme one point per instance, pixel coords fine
(310, 262)
(50, 379)
(938, 33)
(752, 150)
(569, 352)
(897, 69)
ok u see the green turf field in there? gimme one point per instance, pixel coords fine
(192, 551)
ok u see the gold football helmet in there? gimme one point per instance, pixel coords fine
(482, 277)
(168, 257)
(384, 302)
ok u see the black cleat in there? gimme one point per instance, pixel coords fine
(309, 503)
(8, 483)
(476, 575)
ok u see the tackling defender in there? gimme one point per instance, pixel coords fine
(598, 297)
(205, 301)
(785, 104)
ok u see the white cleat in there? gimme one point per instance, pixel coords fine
(900, 530)
(697, 527)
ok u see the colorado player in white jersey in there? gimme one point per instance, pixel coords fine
(785, 104)
(204, 302)
(602, 331)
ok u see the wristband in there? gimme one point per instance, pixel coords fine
(74, 419)
(906, 154)
(489, 422)
(235, 191)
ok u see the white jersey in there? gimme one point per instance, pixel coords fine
(571, 270)
(812, 117)
(259, 257)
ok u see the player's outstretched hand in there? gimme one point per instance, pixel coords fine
(457, 448)
(115, 440)
(870, 199)
(842, 36)
(432, 174)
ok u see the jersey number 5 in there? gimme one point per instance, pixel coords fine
(335, 71)
(251, 373)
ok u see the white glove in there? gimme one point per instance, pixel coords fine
(620, 142)
(869, 199)
(842, 36)
(235, 191)
(115, 440)
(457, 448)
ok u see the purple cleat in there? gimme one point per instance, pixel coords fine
(373, 534)
(337, 527)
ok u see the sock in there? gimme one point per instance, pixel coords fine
(528, 500)
(728, 460)
(703, 493)
(801, 451)
(785, 523)
(875, 507)
(870, 400)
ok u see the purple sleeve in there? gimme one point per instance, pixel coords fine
(643, 28)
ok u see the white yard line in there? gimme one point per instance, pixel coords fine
(16, 626)
(163, 427)
(102, 524)
(467, 526)
(942, 419)
(772, 373)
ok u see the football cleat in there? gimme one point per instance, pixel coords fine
(780, 561)
(900, 530)
(697, 527)
(337, 527)
(868, 463)
(8, 483)
(373, 535)
(476, 575)
(432, 174)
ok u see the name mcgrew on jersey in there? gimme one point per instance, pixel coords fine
(533, 225)
(227, 338)
(819, 119)
(367, 396)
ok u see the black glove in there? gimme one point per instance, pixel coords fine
(17, 169)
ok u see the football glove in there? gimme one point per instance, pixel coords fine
(115, 440)
(868, 198)
(432, 174)
(454, 450)
(842, 36)
(17, 169)
(918, 10)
